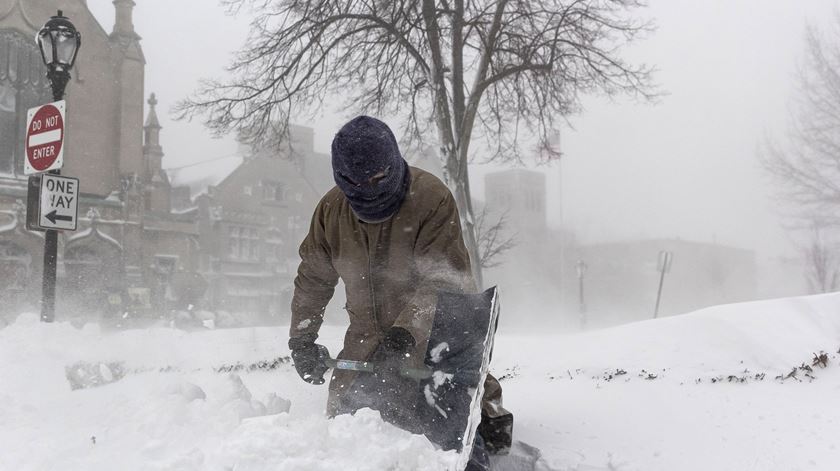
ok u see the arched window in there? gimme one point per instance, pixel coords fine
(23, 85)
(92, 271)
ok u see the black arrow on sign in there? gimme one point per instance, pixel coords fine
(52, 217)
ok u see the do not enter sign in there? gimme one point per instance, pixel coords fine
(45, 138)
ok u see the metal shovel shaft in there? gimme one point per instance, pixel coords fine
(368, 367)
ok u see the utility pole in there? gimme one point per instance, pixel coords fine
(581, 271)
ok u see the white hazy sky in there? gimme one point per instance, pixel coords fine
(685, 167)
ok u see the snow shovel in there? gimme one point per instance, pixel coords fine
(456, 364)
(460, 344)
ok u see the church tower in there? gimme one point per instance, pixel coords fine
(157, 188)
(152, 150)
(130, 70)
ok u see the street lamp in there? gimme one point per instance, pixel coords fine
(59, 42)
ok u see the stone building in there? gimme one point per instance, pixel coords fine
(217, 236)
(128, 244)
(251, 217)
(528, 273)
(520, 195)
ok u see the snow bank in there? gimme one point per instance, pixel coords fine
(174, 412)
(769, 335)
(668, 394)
(673, 408)
(360, 442)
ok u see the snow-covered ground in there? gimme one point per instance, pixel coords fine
(712, 390)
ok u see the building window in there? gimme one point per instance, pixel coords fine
(295, 223)
(244, 243)
(23, 85)
(532, 201)
(254, 245)
(15, 267)
(165, 264)
(274, 245)
(273, 191)
(234, 243)
(8, 127)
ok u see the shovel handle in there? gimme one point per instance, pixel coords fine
(368, 367)
(350, 365)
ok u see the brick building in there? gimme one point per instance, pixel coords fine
(251, 212)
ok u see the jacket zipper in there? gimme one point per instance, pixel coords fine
(371, 251)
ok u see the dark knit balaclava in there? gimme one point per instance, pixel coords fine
(365, 147)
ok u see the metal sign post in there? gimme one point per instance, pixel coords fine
(59, 42)
(45, 153)
(665, 259)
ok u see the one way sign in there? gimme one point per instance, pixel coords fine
(58, 202)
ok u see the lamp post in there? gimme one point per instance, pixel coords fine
(581, 271)
(59, 42)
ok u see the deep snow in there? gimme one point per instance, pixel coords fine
(691, 397)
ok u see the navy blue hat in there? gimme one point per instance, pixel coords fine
(369, 169)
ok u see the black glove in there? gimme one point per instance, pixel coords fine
(309, 357)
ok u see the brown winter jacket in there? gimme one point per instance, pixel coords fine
(391, 270)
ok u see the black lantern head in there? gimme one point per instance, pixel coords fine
(59, 43)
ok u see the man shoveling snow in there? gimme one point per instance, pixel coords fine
(392, 234)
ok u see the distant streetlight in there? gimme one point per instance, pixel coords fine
(59, 42)
(581, 272)
(664, 266)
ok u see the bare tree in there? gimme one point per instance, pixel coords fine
(507, 69)
(807, 165)
(493, 239)
(823, 267)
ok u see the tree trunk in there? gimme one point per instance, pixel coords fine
(464, 201)
(457, 178)
(452, 152)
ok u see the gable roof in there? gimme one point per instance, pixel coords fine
(200, 175)
(311, 167)
(36, 12)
